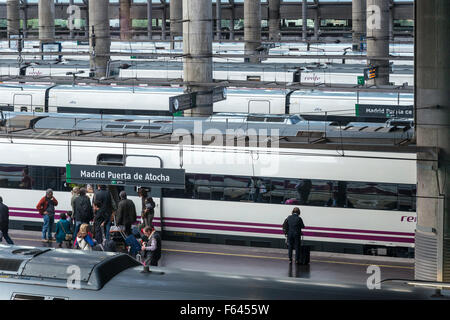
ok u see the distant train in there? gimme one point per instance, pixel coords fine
(348, 203)
(155, 100)
(28, 273)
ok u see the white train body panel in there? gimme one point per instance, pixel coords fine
(238, 218)
(84, 99)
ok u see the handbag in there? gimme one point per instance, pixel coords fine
(116, 228)
(68, 236)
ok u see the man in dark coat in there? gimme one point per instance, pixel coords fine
(126, 212)
(101, 218)
(293, 229)
(108, 204)
(82, 209)
(4, 222)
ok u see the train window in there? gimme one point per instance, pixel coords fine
(22, 296)
(217, 187)
(19, 296)
(202, 186)
(274, 119)
(255, 119)
(406, 197)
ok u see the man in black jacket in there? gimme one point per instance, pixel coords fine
(4, 222)
(126, 212)
(82, 209)
(108, 204)
(293, 230)
(101, 218)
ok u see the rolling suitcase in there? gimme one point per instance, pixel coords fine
(305, 252)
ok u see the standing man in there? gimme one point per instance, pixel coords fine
(126, 212)
(82, 210)
(46, 207)
(108, 204)
(4, 222)
(101, 218)
(292, 228)
(152, 248)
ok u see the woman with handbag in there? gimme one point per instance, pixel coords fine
(63, 231)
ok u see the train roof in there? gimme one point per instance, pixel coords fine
(51, 266)
(48, 271)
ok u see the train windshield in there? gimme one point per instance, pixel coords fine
(294, 119)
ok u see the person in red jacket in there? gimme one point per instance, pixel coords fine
(46, 207)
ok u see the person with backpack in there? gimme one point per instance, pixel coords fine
(46, 207)
(292, 228)
(126, 212)
(63, 231)
(84, 239)
(82, 210)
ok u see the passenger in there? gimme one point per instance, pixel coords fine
(27, 180)
(149, 212)
(292, 228)
(75, 194)
(133, 244)
(4, 222)
(84, 240)
(82, 210)
(101, 218)
(46, 207)
(108, 204)
(63, 231)
(151, 250)
(143, 194)
(126, 212)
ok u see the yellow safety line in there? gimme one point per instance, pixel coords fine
(260, 257)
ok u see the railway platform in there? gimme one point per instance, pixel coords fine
(265, 262)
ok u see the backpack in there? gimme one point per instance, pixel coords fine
(285, 226)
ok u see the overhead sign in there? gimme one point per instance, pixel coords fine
(51, 47)
(182, 102)
(219, 94)
(384, 111)
(114, 175)
(370, 73)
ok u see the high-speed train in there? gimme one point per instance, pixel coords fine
(291, 52)
(314, 73)
(28, 273)
(155, 100)
(348, 203)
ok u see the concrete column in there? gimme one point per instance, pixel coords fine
(46, 10)
(252, 29)
(149, 19)
(99, 19)
(197, 48)
(316, 25)
(125, 20)
(274, 20)
(233, 15)
(378, 39)
(218, 20)
(176, 15)
(391, 22)
(25, 19)
(432, 97)
(13, 17)
(163, 22)
(358, 23)
(304, 19)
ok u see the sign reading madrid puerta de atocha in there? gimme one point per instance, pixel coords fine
(113, 175)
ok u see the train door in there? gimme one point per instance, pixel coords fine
(155, 193)
(23, 102)
(258, 106)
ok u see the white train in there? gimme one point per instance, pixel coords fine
(237, 195)
(155, 100)
(312, 73)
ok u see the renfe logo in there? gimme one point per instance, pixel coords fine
(408, 219)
